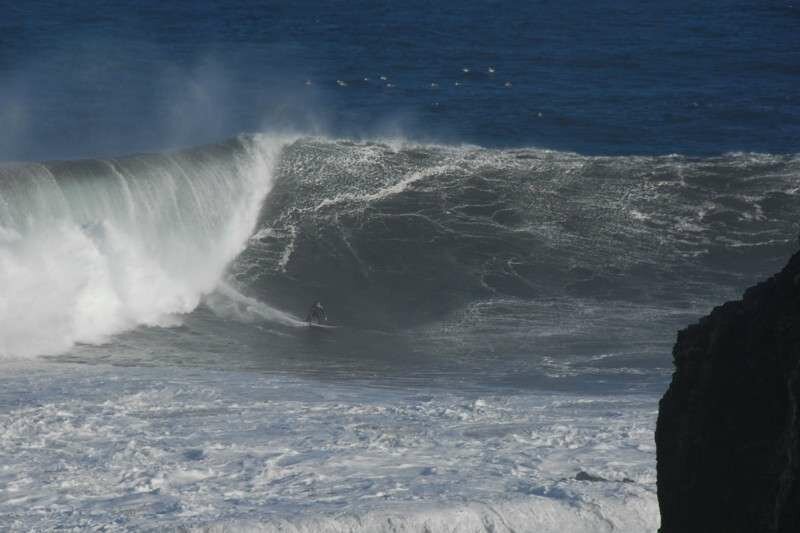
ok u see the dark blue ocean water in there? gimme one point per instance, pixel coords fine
(603, 77)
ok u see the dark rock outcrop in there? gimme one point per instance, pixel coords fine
(727, 438)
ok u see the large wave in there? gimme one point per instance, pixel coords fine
(92, 248)
(406, 233)
(470, 247)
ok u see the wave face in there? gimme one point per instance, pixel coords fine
(92, 248)
(406, 234)
(525, 265)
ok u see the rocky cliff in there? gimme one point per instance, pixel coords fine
(728, 433)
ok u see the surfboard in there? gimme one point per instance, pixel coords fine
(321, 326)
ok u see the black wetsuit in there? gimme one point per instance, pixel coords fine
(317, 314)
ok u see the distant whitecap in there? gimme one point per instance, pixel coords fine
(507, 84)
(341, 83)
(383, 78)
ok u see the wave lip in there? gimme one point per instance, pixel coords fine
(93, 248)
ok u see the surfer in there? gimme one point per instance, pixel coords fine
(316, 314)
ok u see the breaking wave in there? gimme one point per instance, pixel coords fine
(460, 243)
(92, 248)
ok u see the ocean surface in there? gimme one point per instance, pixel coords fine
(507, 210)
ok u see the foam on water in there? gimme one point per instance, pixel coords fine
(127, 448)
(89, 249)
(228, 302)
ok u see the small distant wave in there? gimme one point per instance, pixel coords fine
(621, 510)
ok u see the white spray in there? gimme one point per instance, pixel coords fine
(90, 249)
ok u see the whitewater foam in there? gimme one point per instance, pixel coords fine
(92, 248)
(395, 188)
(132, 448)
(228, 302)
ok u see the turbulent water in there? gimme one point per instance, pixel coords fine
(95, 248)
(506, 209)
(503, 321)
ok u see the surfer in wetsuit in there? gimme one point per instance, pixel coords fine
(316, 314)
